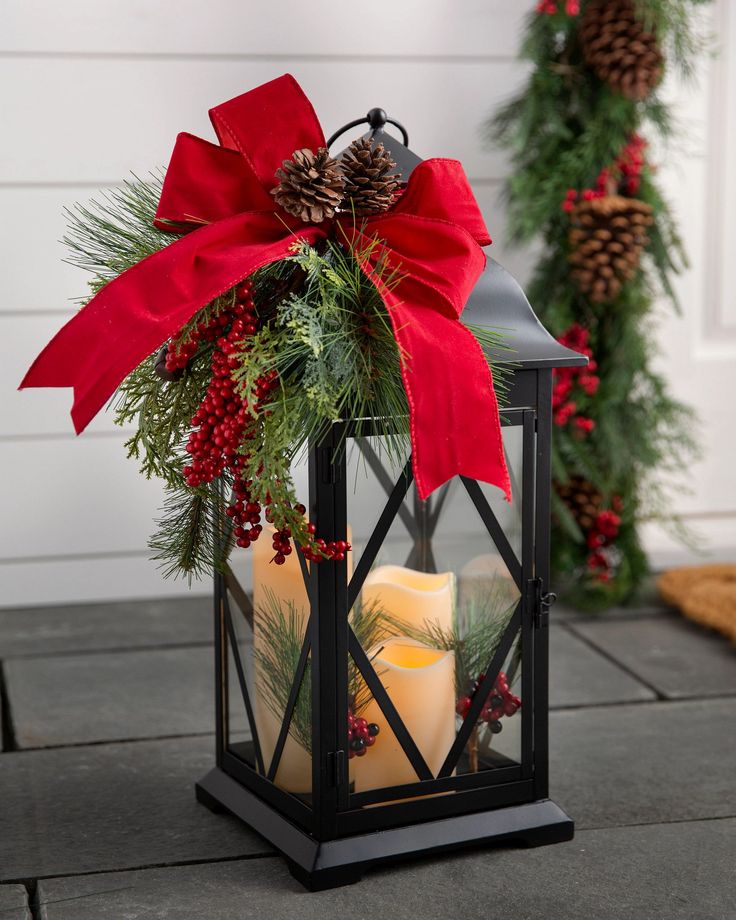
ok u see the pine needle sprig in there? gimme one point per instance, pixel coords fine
(281, 628)
(190, 540)
(108, 236)
(479, 623)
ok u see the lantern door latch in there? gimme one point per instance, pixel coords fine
(336, 768)
(541, 603)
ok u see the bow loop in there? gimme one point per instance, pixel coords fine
(440, 189)
(205, 183)
(438, 255)
(267, 124)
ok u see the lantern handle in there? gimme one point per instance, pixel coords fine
(376, 118)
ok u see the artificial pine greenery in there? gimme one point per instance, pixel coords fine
(562, 130)
(322, 327)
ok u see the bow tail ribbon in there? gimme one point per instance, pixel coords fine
(149, 303)
(453, 411)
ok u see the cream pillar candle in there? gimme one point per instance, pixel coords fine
(285, 583)
(421, 684)
(412, 596)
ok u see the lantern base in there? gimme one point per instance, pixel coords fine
(319, 865)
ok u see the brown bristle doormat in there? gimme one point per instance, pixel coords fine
(705, 594)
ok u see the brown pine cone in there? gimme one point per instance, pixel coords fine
(582, 498)
(370, 183)
(310, 185)
(618, 48)
(607, 239)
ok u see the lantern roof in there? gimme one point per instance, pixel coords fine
(497, 301)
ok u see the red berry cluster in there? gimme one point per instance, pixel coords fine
(361, 735)
(564, 406)
(588, 194)
(599, 538)
(630, 163)
(500, 702)
(550, 7)
(626, 172)
(218, 425)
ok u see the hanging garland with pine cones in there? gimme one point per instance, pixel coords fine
(583, 180)
(281, 306)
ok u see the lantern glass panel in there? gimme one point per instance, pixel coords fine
(240, 663)
(439, 605)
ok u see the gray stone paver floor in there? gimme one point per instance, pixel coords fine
(108, 711)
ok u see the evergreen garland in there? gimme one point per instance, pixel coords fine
(575, 138)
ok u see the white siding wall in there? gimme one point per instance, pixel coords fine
(90, 91)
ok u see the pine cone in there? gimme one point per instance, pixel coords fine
(310, 185)
(582, 499)
(607, 239)
(618, 48)
(370, 184)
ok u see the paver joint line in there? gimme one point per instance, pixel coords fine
(112, 649)
(175, 864)
(570, 627)
(31, 887)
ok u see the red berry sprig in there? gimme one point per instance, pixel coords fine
(499, 703)
(361, 735)
(319, 549)
(224, 423)
(219, 424)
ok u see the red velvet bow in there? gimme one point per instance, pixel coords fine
(432, 236)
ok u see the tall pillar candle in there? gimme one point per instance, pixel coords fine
(285, 585)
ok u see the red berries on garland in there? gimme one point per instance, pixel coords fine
(499, 703)
(361, 735)
(564, 408)
(600, 538)
(550, 7)
(624, 175)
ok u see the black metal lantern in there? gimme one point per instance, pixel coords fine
(302, 654)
